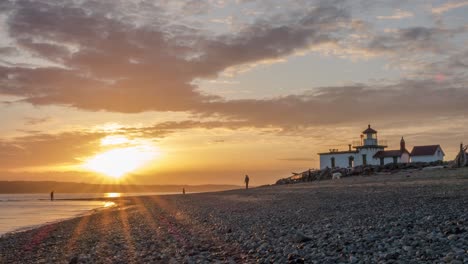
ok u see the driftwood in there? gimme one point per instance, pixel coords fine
(462, 158)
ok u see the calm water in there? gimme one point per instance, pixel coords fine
(24, 211)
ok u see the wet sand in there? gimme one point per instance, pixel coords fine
(409, 217)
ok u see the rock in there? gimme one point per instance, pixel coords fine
(74, 260)
(452, 237)
(392, 255)
(429, 218)
(299, 237)
(459, 251)
(407, 248)
(448, 257)
(353, 259)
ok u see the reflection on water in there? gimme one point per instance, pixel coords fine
(109, 204)
(20, 214)
(20, 211)
(113, 195)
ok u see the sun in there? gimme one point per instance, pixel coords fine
(121, 160)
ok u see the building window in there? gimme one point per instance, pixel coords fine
(333, 162)
(364, 159)
(395, 160)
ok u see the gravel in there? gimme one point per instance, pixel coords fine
(365, 220)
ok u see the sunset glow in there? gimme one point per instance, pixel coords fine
(120, 161)
(113, 195)
(204, 92)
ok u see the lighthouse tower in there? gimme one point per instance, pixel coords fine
(368, 148)
(370, 138)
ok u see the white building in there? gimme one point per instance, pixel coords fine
(369, 151)
(427, 153)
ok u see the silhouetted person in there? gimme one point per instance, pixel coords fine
(52, 195)
(183, 190)
(246, 180)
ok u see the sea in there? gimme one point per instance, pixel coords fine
(19, 212)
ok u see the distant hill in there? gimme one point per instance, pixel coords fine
(74, 187)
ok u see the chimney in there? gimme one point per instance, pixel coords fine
(349, 145)
(402, 144)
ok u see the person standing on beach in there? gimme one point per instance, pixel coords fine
(183, 190)
(246, 180)
(52, 195)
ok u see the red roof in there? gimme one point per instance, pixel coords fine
(388, 154)
(425, 150)
(369, 130)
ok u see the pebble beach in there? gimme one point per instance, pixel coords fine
(408, 217)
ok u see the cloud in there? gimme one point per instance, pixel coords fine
(112, 62)
(35, 121)
(397, 15)
(448, 6)
(39, 149)
(407, 100)
(111, 65)
(8, 51)
(196, 7)
(414, 40)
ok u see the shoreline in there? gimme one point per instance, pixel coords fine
(56, 221)
(421, 218)
(118, 202)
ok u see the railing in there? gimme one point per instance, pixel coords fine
(358, 143)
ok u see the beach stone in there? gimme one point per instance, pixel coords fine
(353, 259)
(74, 260)
(299, 237)
(452, 237)
(369, 223)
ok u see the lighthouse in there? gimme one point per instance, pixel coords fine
(371, 151)
(370, 138)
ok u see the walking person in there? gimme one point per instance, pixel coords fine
(183, 191)
(246, 180)
(52, 195)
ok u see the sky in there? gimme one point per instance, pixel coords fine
(206, 91)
